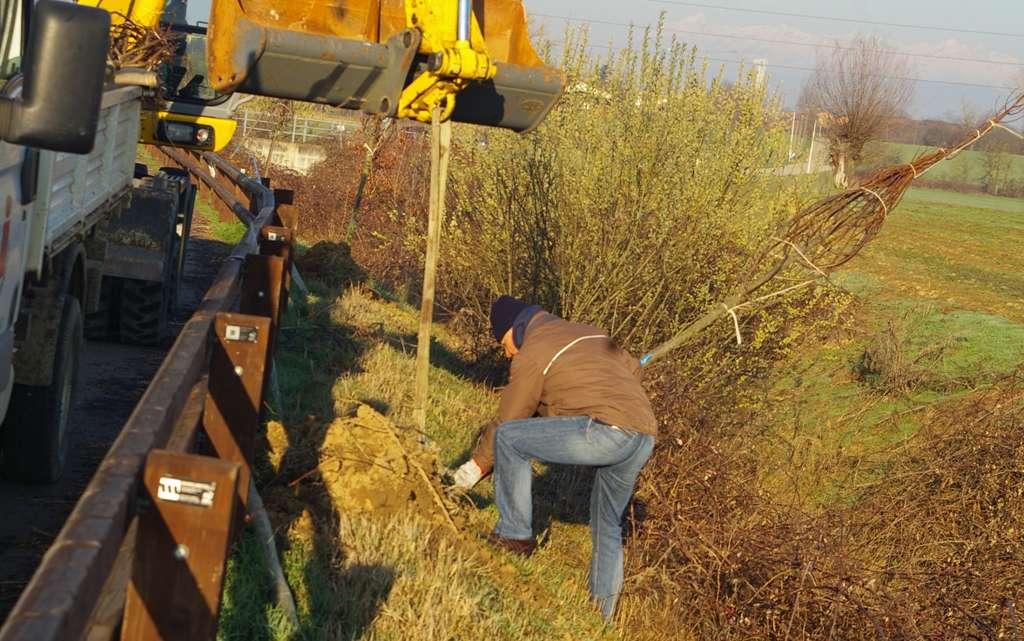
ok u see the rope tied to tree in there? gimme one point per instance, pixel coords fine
(735, 323)
(1008, 130)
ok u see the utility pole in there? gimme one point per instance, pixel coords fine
(440, 151)
(792, 132)
(810, 154)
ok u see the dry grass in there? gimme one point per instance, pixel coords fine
(456, 407)
(391, 574)
(929, 548)
(384, 574)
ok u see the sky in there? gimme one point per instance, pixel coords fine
(741, 35)
(987, 41)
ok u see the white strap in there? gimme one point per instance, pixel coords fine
(561, 351)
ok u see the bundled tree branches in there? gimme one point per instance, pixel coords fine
(855, 90)
(133, 46)
(820, 238)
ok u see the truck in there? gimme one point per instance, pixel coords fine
(90, 244)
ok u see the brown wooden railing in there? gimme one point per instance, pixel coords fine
(144, 550)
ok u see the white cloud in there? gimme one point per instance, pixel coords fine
(804, 56)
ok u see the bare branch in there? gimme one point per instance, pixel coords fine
(855, 90)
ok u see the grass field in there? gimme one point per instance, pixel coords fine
(944, 285)
(968, 167)
(956, 251)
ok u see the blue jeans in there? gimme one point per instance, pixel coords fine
(618, 456)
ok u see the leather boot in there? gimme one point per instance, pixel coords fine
(521, 547)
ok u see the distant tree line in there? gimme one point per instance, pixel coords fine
(939, 133)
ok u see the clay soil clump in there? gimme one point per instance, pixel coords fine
(369, 467)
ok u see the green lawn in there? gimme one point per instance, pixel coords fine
(957, 251)
(968, 167)
(947, 273)
(960, 201)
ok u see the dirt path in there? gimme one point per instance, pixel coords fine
(113, 379)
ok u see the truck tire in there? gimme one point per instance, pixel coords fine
(101, 325)
(35, 431)
(145, 310)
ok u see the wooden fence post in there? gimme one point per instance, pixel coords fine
(185, 529)
(440, 151)
(232, 413)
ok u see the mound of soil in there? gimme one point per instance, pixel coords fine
(367, 468)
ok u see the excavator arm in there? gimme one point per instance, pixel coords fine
(397, 58)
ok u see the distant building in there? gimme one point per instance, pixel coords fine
(759, 68)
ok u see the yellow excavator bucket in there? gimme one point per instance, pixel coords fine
(392, 57)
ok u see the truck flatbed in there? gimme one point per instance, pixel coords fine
(76, 191)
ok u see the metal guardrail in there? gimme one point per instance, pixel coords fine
(144, 549)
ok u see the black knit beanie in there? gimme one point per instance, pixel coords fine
(503, 313)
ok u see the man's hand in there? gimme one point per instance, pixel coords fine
(468, 475)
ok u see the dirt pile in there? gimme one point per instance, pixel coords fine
(368, 469)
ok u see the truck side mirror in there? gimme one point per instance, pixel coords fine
(65, 66)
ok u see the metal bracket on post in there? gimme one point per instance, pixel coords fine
(276, 241)
(183, 538)
(235, 390)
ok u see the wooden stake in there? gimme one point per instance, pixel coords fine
(440, 151)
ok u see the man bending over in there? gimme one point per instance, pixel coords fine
(592, 411)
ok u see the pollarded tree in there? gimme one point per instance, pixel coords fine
(855, 89)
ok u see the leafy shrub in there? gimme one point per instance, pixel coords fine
(632, 206)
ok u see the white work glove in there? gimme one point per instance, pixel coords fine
(468, 475)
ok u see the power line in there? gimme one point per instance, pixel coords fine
(791, 67)
(793, 42)
(838, 19)
(789, 42)
(811, 69)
